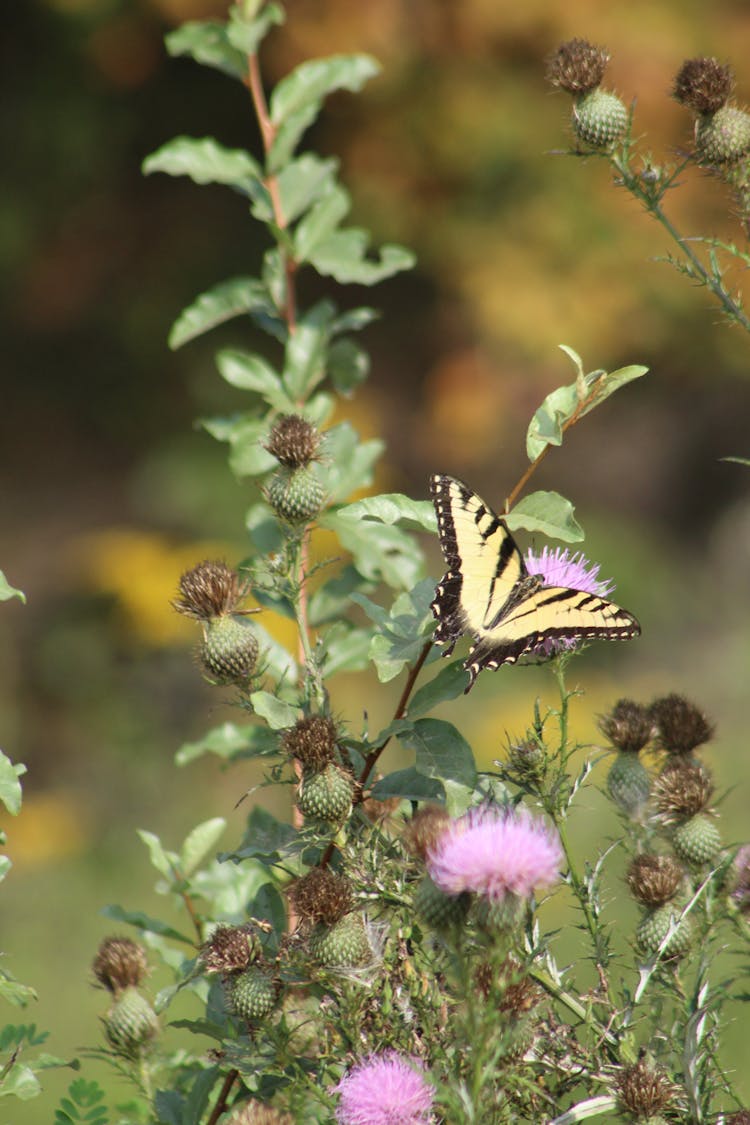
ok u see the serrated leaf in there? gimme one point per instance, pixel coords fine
(229, 741)
(342, 256)
(449, 683)
(228, 299)
(305, 356)
(322, 218)
(144, 923)
(205, 161)
(7, 591)
(265, 837)
(207, 42)
(408, 785)
(393, 508)
(311, 81)
(547, 512)
(11, 793)
(442, 751)
(199, 843)
(275, 711)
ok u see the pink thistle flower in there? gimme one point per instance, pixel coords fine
(575, 572)
(385, 1089)
(741, 891)
(495, 853)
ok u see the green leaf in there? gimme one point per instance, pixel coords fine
(737, 460)
(275, 660)
(546, 426)
(333, 599)
(205, 161)
(305, 357)
(348, 365)
(84, 1103)
(15, 992)
(608, 382)
(379, 552)
(320, 221)
(165, 862)
(250, 372)
(442, 751)
(548, 512)
(408, 785)
(345, 649)
(7, 591)
(207, 42)
(222, 302)
(402, 631)
(10, 787)
(449, 683)
(231, 742)
(393, 508)
(265, 837)
(20, 1082)
(199, 842)
(144, 923)
(247, 34)
(265, 531)
(197, 1099)
(247, 457)
(310, 82)
(288, 136)
(5, 866)
(349, 462)
(300, 183)
(275, 711)
(342, 256)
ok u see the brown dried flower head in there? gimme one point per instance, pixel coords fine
(312, 740)
(681, 726)
(654, 879)
(682, 790)
(119, 964)
(645, 1091)
(322, 896)
(517, 993)
(230, 949)
(577, 66)
(294, 441)
(210, 589)
(628, 726)
(255, 1113)
(703, 84)
(741, 1117)
(425, 829)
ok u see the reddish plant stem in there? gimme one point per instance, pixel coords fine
(221, 1101)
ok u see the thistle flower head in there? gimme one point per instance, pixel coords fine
(741, 879)
(577, 66)
(312, 740)
(209, 590)
(680, 724)
(385, 1089)
(628, 726)
(119, 964)
(559, 567)
(644, 1091)
(322, 896)
(682, 790)
(494, 853)
(293, 441)
(425, 829)
(703, 84)
(654, 879)
(230, 949)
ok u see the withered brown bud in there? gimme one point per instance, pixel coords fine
(425, 829)
(230, 949)
(654, 879)
(681, 726)
(312, 740)
(741, 1117)
(516, 992)
(255, 1113)
(703, 84)
(322, 896)
(293, 441)
(628, 726)
(209, 590)
(577, 66)
(682, 790)
(119, 964)
(645, 1091)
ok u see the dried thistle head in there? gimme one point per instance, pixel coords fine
(644, 1091)
(741, 1117)
(681, 725)
(628, 726)
(577, 66)
(516, 992)
(256, 1113)
(230, 949)
(119, 964)
(209, 590)
(682, 790)
(425, 829)
(293, 441)
(654, 879)
(703, 84)
(312, 740)
(322, 896)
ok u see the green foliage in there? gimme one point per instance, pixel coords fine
(83, 1105)
(7, 591)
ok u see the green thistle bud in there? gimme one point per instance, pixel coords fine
(343, 945)
(503, 916)
(326, 795)
(130, 1025)
(697, 841)
(629, 783)
(599, 118)
(654, 926)
(252, 994)
(296, 494)
(439, 910)
(723, 137)
(229, 651)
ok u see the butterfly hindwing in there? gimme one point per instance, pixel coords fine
(488, 592)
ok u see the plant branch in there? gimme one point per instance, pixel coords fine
(399, 713)
(221, 1101)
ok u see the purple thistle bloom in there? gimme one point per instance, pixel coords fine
(494, 853)
(385, 1089)
(741, 892)
(575, 572)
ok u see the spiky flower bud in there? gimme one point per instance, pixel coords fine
(230, 949)
(528, 759)
(326, 795)
(599, 119)
(629, 783)
(252, 993)
(723, 137)
(439, 910)
(131, 1024)
(255, 1113)
(681, 790)
(296, 495)
(312, 740)
(343, 945)
(577, 66)
(703, 84)
(654, 879)
(119, 964)
(644, 1091)
(425, 829)
(211, 593)
(230, 649)
(513, 991)
(293, 441)
(628, 726)
(680, 724)
(322, 896)
(697, 841)
(654, 927)
(210, 589)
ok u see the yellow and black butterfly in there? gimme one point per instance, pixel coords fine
(489, 593)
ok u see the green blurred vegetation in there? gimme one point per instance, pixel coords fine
(107, 496)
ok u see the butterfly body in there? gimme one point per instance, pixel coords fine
(488, 592)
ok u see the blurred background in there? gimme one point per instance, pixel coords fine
(108, 491)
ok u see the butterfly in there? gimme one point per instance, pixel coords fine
(488, 591)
